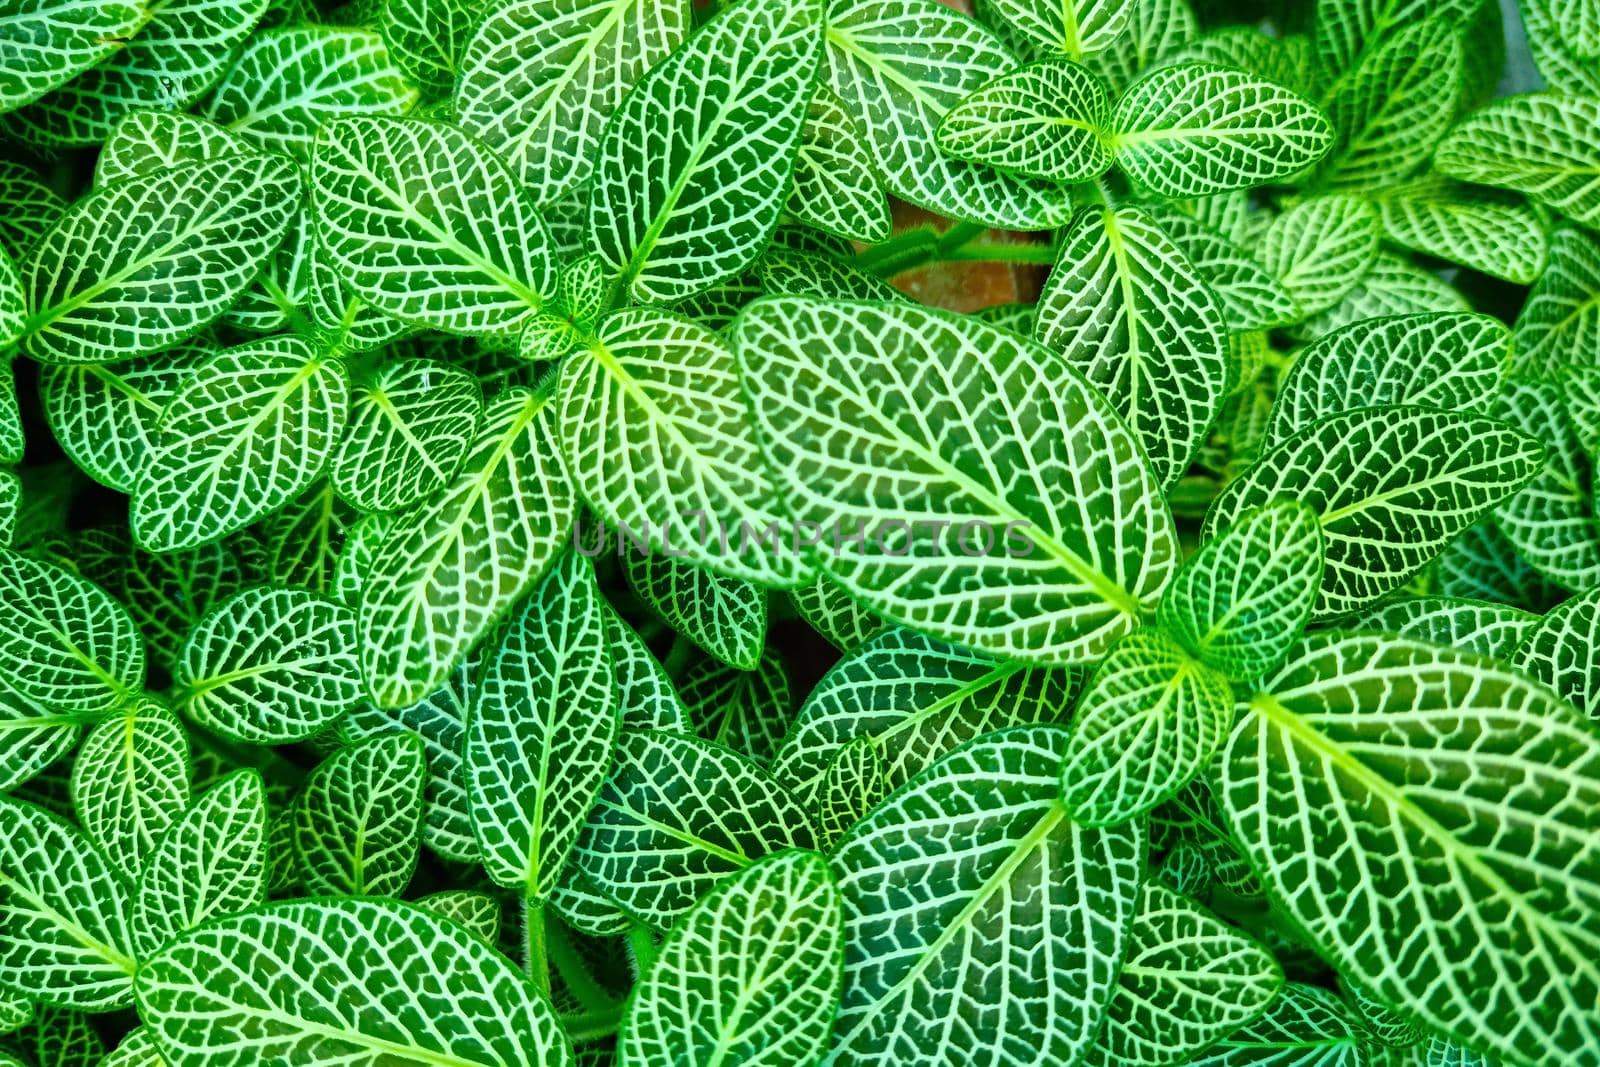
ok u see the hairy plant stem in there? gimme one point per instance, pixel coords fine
(533, 952)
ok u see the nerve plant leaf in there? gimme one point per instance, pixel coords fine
(726, 617)
(1303, 1026)
(1320, 249)
(836, 186)
(130, 782)
(1074, 28)
(1533, 144)
(356, 823)
(46, 42)
(67, 645)
(1044, 121)
(1496, 233)
(1493, 630)
(106, 418)
(1561, 318)
(1559, 651)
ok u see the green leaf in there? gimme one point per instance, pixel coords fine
(676, 816)
(541, 731)
(137, 266)
(1150, 719)
(1450, 362)
(1320, 249)
(1553, 523)
(270, 666)
(1560, 321)
(1074, 28)
(1495, 233)
(105, 418)
(1493, 630)
(794, 273)
(1245, 596)
(211, 863)
(426, 225)
(1553, 55)
(460, 559)
(63, 932)
(913, 700)
(1304, 1026)
(130, 782)
(287, 83)
(836, 186)
(695, 165)
(834, 614)
(46, 42)
(1537, 144)
(136, 1049)
(923, 912)
(31, 739)
(478, 912)
(898, 68)
(1390, 486)
(352, 980)
(726, 617)
(426, 38)
(64, 643)
(1559, 651)
(1248, 297)
(1157, 29)
(839, 391)
(410, 427)
(147, 141)
(854, 783)
(540, 78)
(245, 433)
(1043, 121)
(1285, 61)
(1391, 286)
(1347, 30)
(656, 434)
(1483, 564)
(31, 208)
(645, 696)
(1189, 979)
(356, 823)
(62, 1037)
(1458, 795)
(1127, 308)
(746, 710)
(750, 974)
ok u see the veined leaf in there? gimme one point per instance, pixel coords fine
(1492, 232)
(1188, 980)
(678, 815)
(1303, 1026)
(1419, 476)
(244, 434)
(1559, 325)
(1320, 248)
(726, 617)
(478, 912)
(1391, 286)
(1127, 308)
(1561, 67)
(1192, 129)
(1553, 523)
(540, 78)
(839, 389)
(63, 913)
(1074, 28)
(458, 560)
(64, 643)
(1449, 362)
(15, 1012)
(211, 863)
(750, 974)
(1245, 596)
(834, 614)
(45, 42)
(1285, 61)
(645, 696)
(1537, 144)
(348, 979)
(356, 823)
(61, 1037)
(1150, 719)
(836, 187)
(1043, 121)
(1483, 564)
(587, 910)
(139, 265)
(106, 417)
(923, 912)
(426, 39)
(899, 68)
(1347, 30)
(746, 710)
(136, 1049)
(409, 429)
(656, 434)
(854, 783)
(31, 739)
(300, 543)
(1493, 630)
(31, 208)
(287, 83)
(1471, 793)
(130, 782)
(1156, 30)
(1560, 651)
(1248, 297)
(270, 666)
(540, 734)
(146, 141)
(425, 225)
(789, 272)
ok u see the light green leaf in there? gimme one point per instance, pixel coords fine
(1304, 1026)
(45, 42)
(1043, 121)
(136, 1049)
(541, 731)
(1561, 67)
(726, 617)
(540, 78)
(656, 434)
(211, 863)
(1150, 719)
(695, 165)
(678, 815)
(287, 83)
(585, 909)
(409, 429)
(1536, 143)
(64, 644)
(1320, 249)
(898, 68)
(1553, 522)
(1448, 362)
(130, 782)
(143, 142)
(793, 273)
(1188, 980)
(1391, 286)
(854, 783)
(478, 912)
(63, 913)
(244, 434)
(836, 186)
(1483, 564)
(913, 699)
(139, 265)
(1074, 28)
(1156, 30)
(1244, 597)
(1417, 475)
(923, 912)
(1347, 30)
(1127, 308)
(31, 739)
(1559, 325)
(1560, 651)
(106, 417)
(31, 208)
(1412, 763)
(1285, 61)
(13, 302)
(356, 823)
(460, 559)
(352, 980)
(426, 39)
(834, 614)
(426, 225)
(270, 666)
(746, 710)
(1248, 297)
(1493, 630)
(15, 1012)
(751, 974)
(645, 696)
(839, 390)
(347, 319)
(1492, 232)
(1191, 129)
(300, 544)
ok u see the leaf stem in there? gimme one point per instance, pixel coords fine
(1003, 252)
(533, 952)
(574, 973)
(641, 947)
(592, 1025)
(960, 243)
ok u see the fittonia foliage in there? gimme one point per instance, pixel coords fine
(516, 549)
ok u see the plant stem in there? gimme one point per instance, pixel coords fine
(592, 1025)
(574, 974)
(918, 248)
(533, 957)
(642, 946)
(1004, 252)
